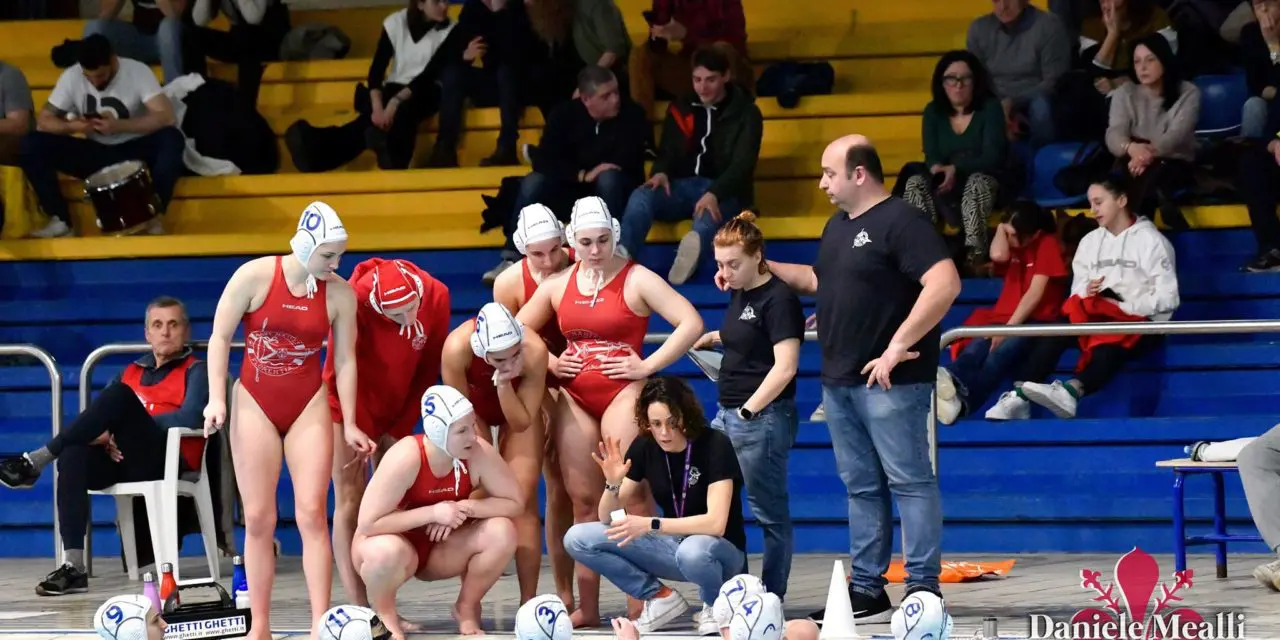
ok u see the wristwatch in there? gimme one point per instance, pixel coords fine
(655, 524)
(745, 413)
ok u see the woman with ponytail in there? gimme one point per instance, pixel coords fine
(761, 335)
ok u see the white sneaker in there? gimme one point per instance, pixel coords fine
(1269, 575)
(819, 415)
(686, 261)
(1010, 406)
(706, 622)
(155, 227)
(55, 229)
(492, 274)
(948, 404)
(660, 612)
(1053, 397)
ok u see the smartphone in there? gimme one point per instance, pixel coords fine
(1110, 293)
(648, 17)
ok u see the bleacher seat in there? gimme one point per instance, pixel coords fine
(1222, 99)
(1049, 160)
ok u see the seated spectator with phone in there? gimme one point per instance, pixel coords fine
(693, 474)
(118, 105)
(659, 73)
(1123, 271)
(121, 436)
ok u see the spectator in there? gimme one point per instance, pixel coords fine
(695, 24)
(879, 247)
(1108, 39)
(964, 150)
(705, 168)
(426, 51)
(1026, 50)
(1260, 475)
(1123, 271)
(701, 540)
(154, 36)
(16, 114)
(591, 146)
(1027, 251)
(573, 34)
(1152, 129)
(761, 333)
(257, 29)
(121, 436)
(1259, 187)
(1260, 53)
(117, 103)
(500, 32)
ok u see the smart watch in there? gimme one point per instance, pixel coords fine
(655, 524)
(745, 413)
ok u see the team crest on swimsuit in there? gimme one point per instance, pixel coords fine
(589, 346)
(418, 342)
(275, 353)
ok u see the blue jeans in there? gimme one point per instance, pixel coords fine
(614, 187)
(636, 568)
(165, 47)
(647, 205)
(1039, 110)
(977, 371)
(881, 443)
(763, 445)
(1253, 118)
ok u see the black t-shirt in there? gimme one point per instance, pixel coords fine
(756, 320)
(711, 460)
(869, 270)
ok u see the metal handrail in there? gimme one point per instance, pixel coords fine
(55, 406)
(86, 379)
(1090, 329)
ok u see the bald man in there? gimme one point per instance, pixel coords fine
(879, 365)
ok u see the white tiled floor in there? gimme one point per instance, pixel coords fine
(1047, 584)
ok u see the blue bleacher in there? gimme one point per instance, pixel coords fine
(1047, 485)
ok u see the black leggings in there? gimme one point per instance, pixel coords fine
(83, 467)
(1106, 362)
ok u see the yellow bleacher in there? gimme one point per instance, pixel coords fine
(883, 54)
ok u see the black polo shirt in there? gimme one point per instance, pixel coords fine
(869, 270)
(755, 321)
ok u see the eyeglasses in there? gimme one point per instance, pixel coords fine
(956, 81)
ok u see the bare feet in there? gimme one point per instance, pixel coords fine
(468, 619)
(567, 599)
(581, 620)
(409, 626)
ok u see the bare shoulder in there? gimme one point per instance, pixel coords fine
(510, 281)
(642, 287)
(339, 290)
(252, 276)
(402, 455)
(557, 283)
(458, 339)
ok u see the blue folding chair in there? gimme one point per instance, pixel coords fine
(1222, 99)
(1049, 160)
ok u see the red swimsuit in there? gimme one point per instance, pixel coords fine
(283, 338)
(606, 328)
(429, 489)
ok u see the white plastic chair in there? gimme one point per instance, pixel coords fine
(161, 498)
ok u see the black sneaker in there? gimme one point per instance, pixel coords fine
(18, 473)
(65, 579)
(919, 587)
(866, 609)
(1264, 263)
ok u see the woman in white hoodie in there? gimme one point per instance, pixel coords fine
(1123, 271)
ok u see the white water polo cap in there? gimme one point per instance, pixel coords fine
(318, 225)
(123, 618)
(921, 615)
(442, 406)
(496, 330)
(732, 593)
(536, 223)
(758, 617)
(543, 618)
(349, 622)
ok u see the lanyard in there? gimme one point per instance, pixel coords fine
(684, 492)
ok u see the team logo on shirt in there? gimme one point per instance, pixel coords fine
(275, 353)
(694, 474)
(748, 314)
(861, 239)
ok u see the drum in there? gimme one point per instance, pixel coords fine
(123, 197)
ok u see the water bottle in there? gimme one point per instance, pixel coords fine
(151, 590)
(168, 588)
(239, 583)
